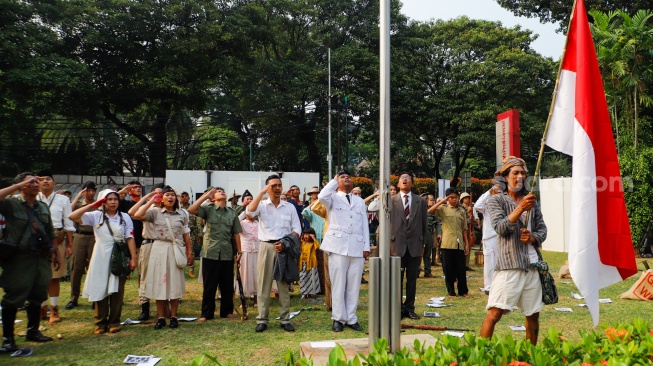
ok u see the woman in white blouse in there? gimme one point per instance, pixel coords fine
(101, 287)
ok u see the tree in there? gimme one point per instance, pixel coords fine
(559, 11)
(453, 77)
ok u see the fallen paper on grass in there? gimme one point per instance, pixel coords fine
(518, 328)
(605, 301)
(187, 319)
(436, 299)
(128, 321)
(437, 305)
(576, 296)
(134, 359)
(470, 276)
(566, 282)
(323, 344)
(431, 314)
(568, 310)
(291, 315)
(582, 305)
(151, 362)
(453, 334)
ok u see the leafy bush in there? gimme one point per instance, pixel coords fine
(627, 344)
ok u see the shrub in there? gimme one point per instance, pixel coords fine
(627, 344)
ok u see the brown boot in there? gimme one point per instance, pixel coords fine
(54, 314)
(44, 312)
(191, 272)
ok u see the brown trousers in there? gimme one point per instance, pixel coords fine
(82, 250)
(109, 309)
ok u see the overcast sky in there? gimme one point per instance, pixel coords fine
(549, 43)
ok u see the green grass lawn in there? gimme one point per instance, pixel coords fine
(235, 341)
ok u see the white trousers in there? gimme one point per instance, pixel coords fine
(489, 261)
(345, 273)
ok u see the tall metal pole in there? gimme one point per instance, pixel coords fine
(387, 312)
(330, 157)
(347, 132)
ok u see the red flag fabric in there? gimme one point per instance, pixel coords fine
(601, 250)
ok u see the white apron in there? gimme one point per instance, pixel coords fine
(100, 283)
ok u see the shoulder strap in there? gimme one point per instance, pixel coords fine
(172, 235)
(106, 219)
(31, 217)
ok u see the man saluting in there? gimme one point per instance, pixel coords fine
(347, 243)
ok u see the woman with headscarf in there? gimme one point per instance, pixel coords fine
(165, 280)
(102, 287)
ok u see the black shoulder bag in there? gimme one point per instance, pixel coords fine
(549, 290)
(120, 255)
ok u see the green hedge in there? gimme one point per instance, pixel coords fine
(626, 344)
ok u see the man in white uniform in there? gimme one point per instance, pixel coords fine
(489, 239)
(347, 243)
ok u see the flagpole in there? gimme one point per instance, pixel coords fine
(548, 120)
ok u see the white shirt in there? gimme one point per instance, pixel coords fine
(348, 233)
(275, 222)
(403, 201)
(60, 208)
(481, 206)
(93, 218)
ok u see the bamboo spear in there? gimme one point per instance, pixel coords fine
(548, 120)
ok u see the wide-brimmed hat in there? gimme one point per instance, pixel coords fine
(234, 197)
(314, 189)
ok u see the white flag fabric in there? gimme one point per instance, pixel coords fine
(601, 250)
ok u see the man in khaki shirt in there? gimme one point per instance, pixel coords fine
(222, 226)
(454, 241)
(83, 243)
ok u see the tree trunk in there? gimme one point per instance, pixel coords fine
(158, 147)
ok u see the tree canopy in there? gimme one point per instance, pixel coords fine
(559, 11)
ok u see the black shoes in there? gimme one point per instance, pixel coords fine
(337, 326)
(72, 304)
(174, 323)
(34, 335)
(357, 327)
(9, 345)
(160, 323)
(145, 311)
(261, 327)
(363, 280)
(410, 314)
(288, 327)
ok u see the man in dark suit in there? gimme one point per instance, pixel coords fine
(408, 232)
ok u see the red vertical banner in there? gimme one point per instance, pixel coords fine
(507, 135)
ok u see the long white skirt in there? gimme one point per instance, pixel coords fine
(164, 280)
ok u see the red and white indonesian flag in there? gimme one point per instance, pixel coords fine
(601, 249)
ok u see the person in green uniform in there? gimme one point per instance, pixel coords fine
(26, 276)
(434, 228)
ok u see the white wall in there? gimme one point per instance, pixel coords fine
(555, 196)
(195, 181)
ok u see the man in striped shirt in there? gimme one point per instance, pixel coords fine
(515, 282)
